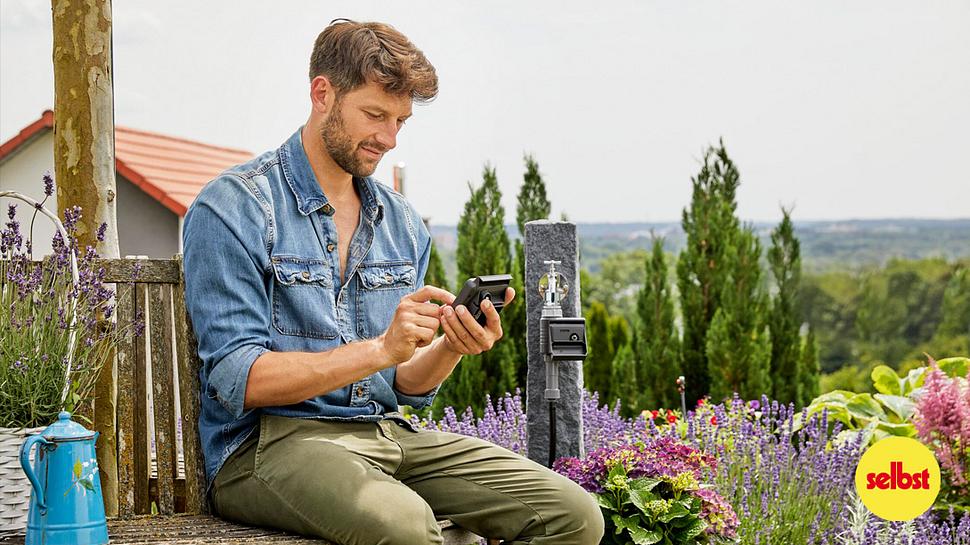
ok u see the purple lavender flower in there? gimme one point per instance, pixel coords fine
(48, 183)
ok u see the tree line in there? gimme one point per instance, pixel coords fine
(731, 335)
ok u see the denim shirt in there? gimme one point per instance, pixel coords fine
(262, 274)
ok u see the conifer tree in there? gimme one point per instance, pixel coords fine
(599, 357)
(619, 332)
(623, 381)
(710, 225)
(808, 370)
(532, 205)
(483, 248)
(658, 348)
(738, 344)
(784, 321)
(436, 270)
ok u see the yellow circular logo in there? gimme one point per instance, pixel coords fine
(898, 478)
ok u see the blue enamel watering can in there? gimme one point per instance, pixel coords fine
(66, 507)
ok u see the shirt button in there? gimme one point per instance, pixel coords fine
(389, 278)
(360, 391)
(305, 275)
(327, 209)
(330, 247)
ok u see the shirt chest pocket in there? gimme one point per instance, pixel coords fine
(303, 300)
(379, 290)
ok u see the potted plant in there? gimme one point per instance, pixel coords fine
(58, 331)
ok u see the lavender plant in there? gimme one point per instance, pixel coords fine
(40, 306)
(502, 423)
(785, 484)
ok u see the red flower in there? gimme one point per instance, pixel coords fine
(653, 414)
(671, 417)
(700, 402)
(714, 420)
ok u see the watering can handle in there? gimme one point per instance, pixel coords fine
(25, 463)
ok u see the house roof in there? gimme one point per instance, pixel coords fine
(171, 170)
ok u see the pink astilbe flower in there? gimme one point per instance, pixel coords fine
(943, 422)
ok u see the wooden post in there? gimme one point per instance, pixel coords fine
(84, 169)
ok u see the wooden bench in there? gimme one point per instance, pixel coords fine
(161, 495)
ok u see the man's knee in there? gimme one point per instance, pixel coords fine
(404, 524)
(581, 521)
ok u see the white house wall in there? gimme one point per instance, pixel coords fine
(23, 172)
(145, 227)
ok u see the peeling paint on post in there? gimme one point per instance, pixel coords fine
(84, 168)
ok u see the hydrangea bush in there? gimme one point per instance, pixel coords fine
(651, 492)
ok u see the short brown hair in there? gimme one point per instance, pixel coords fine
(350, 54)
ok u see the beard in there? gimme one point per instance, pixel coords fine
(342, 149)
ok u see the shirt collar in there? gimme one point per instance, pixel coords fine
(303, 182)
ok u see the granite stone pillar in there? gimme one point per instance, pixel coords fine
(556, 241)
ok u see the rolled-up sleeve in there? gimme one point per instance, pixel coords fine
(423, 239)
(224, 247)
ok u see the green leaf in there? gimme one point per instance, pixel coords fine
(913, 380)
(691, 531)
(863, 407)
(640, 498)
(904, 429)
(837, 396)
(902, 407)
(642, 536)
(86, 483)
(644, 483)
(886, 381)
(676, 510)
(954, 367)
(603, 500)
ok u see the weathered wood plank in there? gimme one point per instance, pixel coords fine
(163, 399)
(188, 372)
(123, 271)
(165, 271)
(208, 530)
(126, 406)
(139, 392)
(105, 424)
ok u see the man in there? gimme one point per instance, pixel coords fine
(304, 282)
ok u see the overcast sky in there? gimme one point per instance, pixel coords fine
(844, 109)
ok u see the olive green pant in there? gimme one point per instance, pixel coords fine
(380, 483)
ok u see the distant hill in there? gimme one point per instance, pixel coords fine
(826, 245)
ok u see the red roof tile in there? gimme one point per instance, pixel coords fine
(172, 170)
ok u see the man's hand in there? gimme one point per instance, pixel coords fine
(414, 324)
(466, 336)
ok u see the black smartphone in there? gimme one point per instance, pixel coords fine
(479, 288)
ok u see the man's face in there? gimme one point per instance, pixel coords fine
(363, 126)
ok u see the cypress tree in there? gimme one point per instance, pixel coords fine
(436, 270)
(619, 332)
(658, 348)
(784, 323)
(738, 344)
(710, 226)
(623, 381)
(483, 248)
(532, 205)
(808, 370)
(599, 357)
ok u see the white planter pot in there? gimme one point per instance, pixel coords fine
(14, 486)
